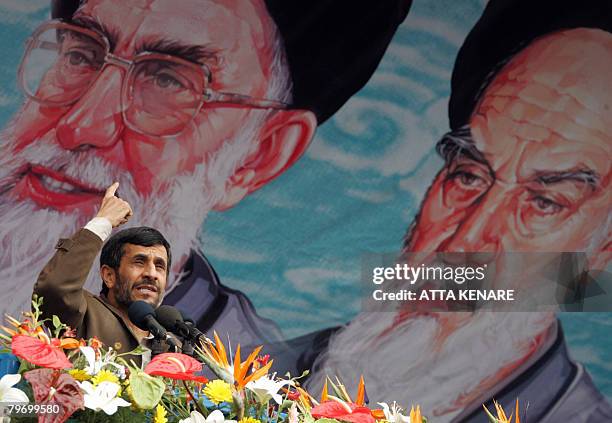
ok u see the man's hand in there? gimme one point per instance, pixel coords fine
(116, 210)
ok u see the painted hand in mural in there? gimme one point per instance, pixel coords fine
(113, 208)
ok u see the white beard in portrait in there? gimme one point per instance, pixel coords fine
(443, 361)
(29, 233)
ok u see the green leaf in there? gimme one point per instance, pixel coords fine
(139, 350)
(57, 323)
(285, 405)
(146, 390)
(326, 420)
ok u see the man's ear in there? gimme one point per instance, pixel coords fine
(108, 275)
(282, 141)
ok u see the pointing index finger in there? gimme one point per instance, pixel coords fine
(110, 191)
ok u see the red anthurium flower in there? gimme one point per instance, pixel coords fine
(52, 387)
(39, 352)
(175, 366)
(348, 412)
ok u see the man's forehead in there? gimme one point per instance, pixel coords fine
(200, 22)
(553, 101)
(520, 150)
(154, 251)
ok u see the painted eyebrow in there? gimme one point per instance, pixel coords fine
(90, 23)
(190, 52)
(459, 143)
(581, 175)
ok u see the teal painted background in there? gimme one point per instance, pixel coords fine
(294, 247)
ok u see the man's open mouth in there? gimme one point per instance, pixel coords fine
(146, 289)
(61, 183)
(53, 188)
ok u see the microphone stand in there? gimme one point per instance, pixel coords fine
(188, 347)
(157, 347)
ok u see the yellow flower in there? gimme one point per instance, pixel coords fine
(248, 420)
(218, 391)
(79, 374)
(160, 414)
(105, 376)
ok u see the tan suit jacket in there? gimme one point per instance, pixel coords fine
(61, 285)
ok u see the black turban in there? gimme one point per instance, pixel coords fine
(333, 46)
(506, 27)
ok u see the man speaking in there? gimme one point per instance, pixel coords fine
(134, 266)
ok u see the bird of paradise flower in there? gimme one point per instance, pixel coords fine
(501, 415)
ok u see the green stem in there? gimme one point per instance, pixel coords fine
(194, 399)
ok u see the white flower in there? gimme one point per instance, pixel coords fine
(10, 394)
(94, 366)
(293, 414)
(393, 415)
(214, 417)
(265, 388)
(103, 397)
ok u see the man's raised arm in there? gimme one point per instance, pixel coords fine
(61, 280)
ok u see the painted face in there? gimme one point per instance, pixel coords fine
(141, 275)
(536, 174)
(195, 30)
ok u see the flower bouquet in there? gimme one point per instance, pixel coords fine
(62, 378)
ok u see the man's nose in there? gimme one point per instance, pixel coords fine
(483, 226)
(150, 271)
(95, 120)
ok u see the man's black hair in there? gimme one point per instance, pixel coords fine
(113, 250)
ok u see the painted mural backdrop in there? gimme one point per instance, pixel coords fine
(292, 239)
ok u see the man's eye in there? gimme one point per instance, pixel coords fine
(164, 80)
(468, 179)
(76, 58)
(546, 205)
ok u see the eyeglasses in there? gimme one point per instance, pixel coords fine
(160, 93)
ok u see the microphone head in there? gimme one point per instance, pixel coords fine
(167, 316)
(138, 313)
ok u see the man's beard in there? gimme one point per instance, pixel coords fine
(443, 361)
(124, 292)
(28, 233)
(417, 360)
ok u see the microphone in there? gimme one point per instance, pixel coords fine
(171, 319)
(143, 316)
(178, 322)
(193, 330)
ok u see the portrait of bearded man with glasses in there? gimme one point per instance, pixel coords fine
(190, 106)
